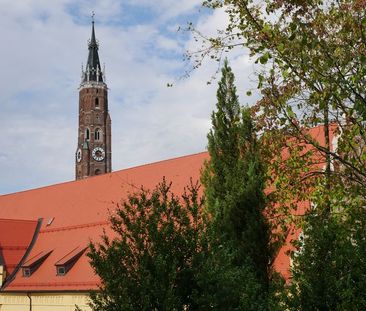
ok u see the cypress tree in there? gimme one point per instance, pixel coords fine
(234, 184)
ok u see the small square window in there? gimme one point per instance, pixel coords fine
(26, 272)
(61, 270)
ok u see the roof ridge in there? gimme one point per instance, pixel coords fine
(104, 175)
(74, 227)
(161, 161)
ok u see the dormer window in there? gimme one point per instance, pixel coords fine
(26, 272)
(32, 264)
(61, 270)
(67, 262)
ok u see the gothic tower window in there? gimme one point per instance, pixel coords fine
(98, 134)
(97, 102)
(87, 134)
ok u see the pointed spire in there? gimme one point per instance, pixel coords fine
(93, 64)
(93, 41)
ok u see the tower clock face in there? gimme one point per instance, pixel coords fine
(78, 155)
(98, 154)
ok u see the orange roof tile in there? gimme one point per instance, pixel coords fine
(15, 238)
(70, 256)
(36, 258)
(80, 210)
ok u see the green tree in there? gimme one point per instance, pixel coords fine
(310, 75)
(234, 181)
(329, 266)
(151, 263)
(313, 73)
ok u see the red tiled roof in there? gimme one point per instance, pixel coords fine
(80, 210)
(38, 257)
(15, 238)
(70, 256)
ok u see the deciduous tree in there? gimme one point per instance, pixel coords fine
(313, 60)
(153, 260)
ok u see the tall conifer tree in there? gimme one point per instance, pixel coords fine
(234, 184)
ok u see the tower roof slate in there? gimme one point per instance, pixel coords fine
(93, 70)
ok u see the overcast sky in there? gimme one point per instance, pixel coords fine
(44, 43)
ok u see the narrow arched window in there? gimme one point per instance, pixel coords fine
(97, 102)
(98, 134)
(87, 134)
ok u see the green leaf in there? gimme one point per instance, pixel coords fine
(281, 47)
(363, 59)
(289, 112)
(260, 81)
(264, 58)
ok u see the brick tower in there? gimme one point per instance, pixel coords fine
(93, 155)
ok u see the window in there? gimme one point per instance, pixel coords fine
(26, 272)
(98, 134)
(87, 134)
(97, 102)
(61, 270)
(32, 264)
(67, 262)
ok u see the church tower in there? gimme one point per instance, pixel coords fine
(93, 154)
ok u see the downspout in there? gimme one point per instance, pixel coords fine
(30, 301)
